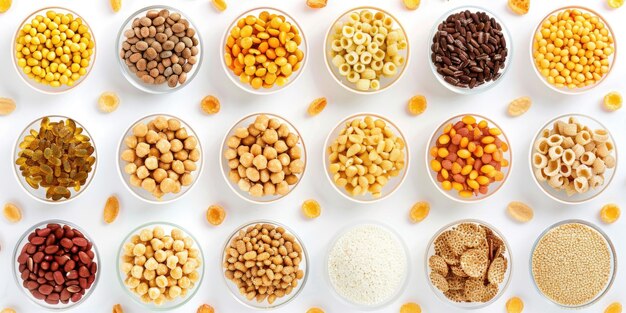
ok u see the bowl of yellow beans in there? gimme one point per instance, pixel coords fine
(469, 158)
(573, 49)
(54, 50)
(263, 51)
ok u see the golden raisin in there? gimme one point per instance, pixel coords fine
(411, 4)
(12, 213)
(116, 5)
(108, 102)
(612, 101)
(6, 105)
(111, 209)
(215, 214)
(519, 7)
(210, 105)
(205, 308)
(614, 307)
(417, 105)
(610, 213)
(4, 5)
(219, 5)
(514, 305)
(311, 208)
(520, 212)
(315, 310)
(317, 106)
(316, 4)
(419, 211)
(118, 308)
(410, 307)
(519, 106)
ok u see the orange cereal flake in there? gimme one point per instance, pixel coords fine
(315, 310)
(612, 101)
(520, 7)
(317, 106)
(215, 214)
(514, 305)
(614, 307)
(610, 213)
(410, 307)
(210, 104)
(311, 208)
(419, 211)
(417, 105)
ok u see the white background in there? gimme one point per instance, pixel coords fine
(337, 212)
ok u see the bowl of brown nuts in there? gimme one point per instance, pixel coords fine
(263, 158)
(263, 51)
(159, 49)
(55, 159)
(366, 157)
(160, 265)
(469, 264)
(159, 158)
(282, 264)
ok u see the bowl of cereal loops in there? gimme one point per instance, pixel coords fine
(469, 264)
(264, 50)
(470, 51)
(55, 159)
(160, 265)
(573, 158)
(469, 158)
(573, 49)
(159, 50)
(263, 158)
(282, 264)
(54, 50)
(159, 158)
(366, 50)
(366, 157)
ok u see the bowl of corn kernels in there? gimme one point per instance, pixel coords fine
(573, 49)
(54, 50)
(264, 50)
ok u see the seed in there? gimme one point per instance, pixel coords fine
(519, 106)
(411, 4)
(215, 214)
(108, 102)
(614, 307)
(315, 310)
(410, 307)
(612, 101)
(118, 307)
(615, 3)
(520, 212)
(610, 213)
(419, 211)
(116, 5)
(311, 208)
(316, 4)
(111, 209)
(210, 105)
(514, 305)
(219, 5)
(205, 308)
(417, 105)
(519, 7)
(12, 213)
(6, 105)
(4, 5)
(317, 106)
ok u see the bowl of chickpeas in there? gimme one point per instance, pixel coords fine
(366, 50)
(573, 49)
(54, 50)
(159, 158)
(264, 50)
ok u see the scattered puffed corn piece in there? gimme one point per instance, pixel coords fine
(12, 213)
(311, 208)
(111, 209)
(520, 212)
(317, 106)
(4, 5)
(411, 4)
(108, 102)
(210, 105)
(205, 308)
(417, 105)
(116, 5)
(316, 4)
(6, 105)
(219, 5)
(410, 307)
(520, 7)
(614, 307)
(315, 310)
(215, 214)
(613, 101)
(419, 211)
(514, 305)
(7, 310)
(610, 213)
(519, 106)
(118, 308)
(615, 3)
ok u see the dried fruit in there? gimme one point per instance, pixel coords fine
(614, 307)
(205, 308)
(215, 214)
(612, 101)
(610, 213)
(6, 105)
(417, 105)
(315, 310)
(316, 4)
(519, 106)
(111, 209)
(615, 3)
(108, 102)
(116, 5)
(12, 213)
(118, 307)
(419, 211)
(317, 106)
(411, 4)
(520, 7)
(4, 5)
(514, 305)
(219, 5)
(311, 208)
(410, 307)
(210, 105)
(520, 212)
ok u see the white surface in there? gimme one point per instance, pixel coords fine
(189, 211)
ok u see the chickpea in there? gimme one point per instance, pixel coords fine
(152, 137)
(142, 149)
(148, 184)
(274, 166)
(256, 190)
(163, 145)
(178, 167)
(260, 162)
(131, 142)
(176, 145)
(186, 179)
(282, 188)
(168, 185)
(181, 155)
(297, 166)
(181, 134)
(194, 155)
(140, 130)
(142, 172)
(284, 159)
(135, 180)
(159, 175)
(167, 157)
(241, 132)
(130, 168)
(190, 143)
(280, 146)
(128, 155)
(151, 163)
(270, 153)
(173, 124)
(270, 136)
(189, 165)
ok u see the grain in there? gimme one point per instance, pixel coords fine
(7, 106)
(215, 214)
(116, 5)
(205, 308)
(108, 102)
(118, 308)
(12, 213)
(520, 211)
(417, 105)
(410, 307)
(514, 305)
(210, 104)
(311, 209)
(111, 209)
(610, 213)
(519, 106)
(317, 106)
(419, 211)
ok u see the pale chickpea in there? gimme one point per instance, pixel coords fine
(178, 167)
(233, 175)
(292, 140)
(270, 136)
(168, 185)
(181, 155)
(253, 131)
(170, 135)
(173, 124)
(291, 179)
(261, 122)
(165, 166)
(130, 168)
(140, 130)
(130, 141)
(243, 185)
(148, 184)
(167, 157)
(142, 172)
(248, 141)
(241, 132)
(242, 149)
(190, 143)
(260, 162)
(252, 174)
(194, 155)
(284, 159)
(246, 159)
(181, 134)
(283, 130)
(186, 179)
(277, 177)
(135, 180)
(159, 175)
(269, 189)
(295, 152)
(151, 163)
(270, 153)
(274, 123)
(152, 137)
(154, 152)
(282, 188)
(297, 166)
(163, 145)
(233, 142)
(160, 123)
(176, 145)
(280, 146)
(256, 190)
(264, 175)
(230, 154)
(274, 166)
(142, 149)
(189, 165)
(128, 155)
(256, 149)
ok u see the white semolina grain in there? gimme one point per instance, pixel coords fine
(367, 265)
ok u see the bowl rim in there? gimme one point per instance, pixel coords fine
(507, 64)
(339, 234)
(407, 158)
(565, 90)
(19, 178)
(428, 158)
(609, 245)
(124, 68)
(504, 284)
(531, 151)
(221, 159)
(33, 84)
(124, 178)
(18, 247)
(228, 283)
(137, 299)
(327, 61)
(261, 91)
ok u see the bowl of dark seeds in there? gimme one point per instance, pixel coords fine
(470, 50)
